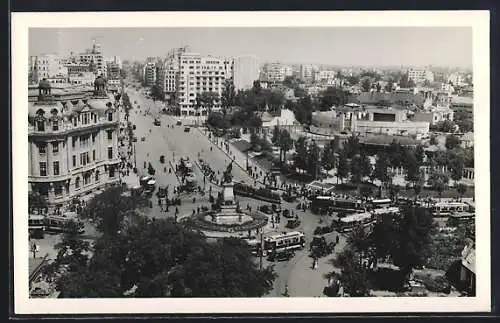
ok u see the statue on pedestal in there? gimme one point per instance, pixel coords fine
(227, 177)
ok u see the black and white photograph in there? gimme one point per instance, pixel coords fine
(193, 162)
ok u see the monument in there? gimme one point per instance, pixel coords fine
(228, 207)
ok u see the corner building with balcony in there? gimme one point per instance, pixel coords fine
(73, 143)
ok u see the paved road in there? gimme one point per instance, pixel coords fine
(302, 281)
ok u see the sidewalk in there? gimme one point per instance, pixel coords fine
(237, 156)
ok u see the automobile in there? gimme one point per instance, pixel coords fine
(134, 127)
(143, 139)
(134, 139)
(287, 214)
(187, 129)
(292, 224)
(281, 256)
(162, 159)
(157, 122)
(179, 123)
(135, 102)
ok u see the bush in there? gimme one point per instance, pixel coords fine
(437, 284)
(323, 230)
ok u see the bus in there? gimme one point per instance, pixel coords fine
(444, 209)
(36, 226)
(458, 218)
(385, 210)
(323, 204)
(63, 223)
(349, 222)
(380, 203)
(284, 241)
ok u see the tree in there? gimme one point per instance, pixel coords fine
(353, 80)
(465, 125)
(380, 171)
(412, 167)
(328, 158)
(157, 93)
(414, 238)
(439, 182)
(331, 97)
(366, 84)
(303, 110)
(275, 101)
(276, 135)
(388, 87)
(359, 241)
(383, 236)
(452, 142)
(109, 209)
(352, 146)
(285, 143)
(208, 99)
(355, 169)
(420, 154)
(228, 96)
(217, 120)
(343, 166)
(353, 279)
(433, 141)
(312, 160)
(378, 87)
(461, 189)
(300, 158)
(456, 164)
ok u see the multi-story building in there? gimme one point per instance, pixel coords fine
(274, 72)
(47, 66)
(75, 67)
(246, 71)
(82, 78)
(307, 72)
(94, 58)
(200, 74)
(420, 75)
(149, 74)
(73, 143)
(288, 71)
(456, 79)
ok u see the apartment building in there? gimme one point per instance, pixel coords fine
(47, 66)
(419, 75)
(274, 72)
(200, 74)
(307, 72)
(94, 58)
(149, 73)
(246, 71)
(72, 142)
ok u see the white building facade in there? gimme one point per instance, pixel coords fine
(246, 71)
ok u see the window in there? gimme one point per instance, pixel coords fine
(110, 134)
(93, 155)
(110, 152)
(77, 183)
(110, 116)
(74, 122)
(73, 142)
(58, 190)
(43, 169)
(93, 138)
(97, 175)
(55, 125)
(40, 125)
(111, 172)
(86, 179)
(42, 148)
(56, 168)
(55, 148)
(74, 160)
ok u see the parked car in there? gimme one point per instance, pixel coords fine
(292, 224)
(287, 214)
(281, 256)
(134, 139)
(162, 159)
(179, 123)
(143, 139)
(187, 129)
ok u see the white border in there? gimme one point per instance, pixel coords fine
(478, 20)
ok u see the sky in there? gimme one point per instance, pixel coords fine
(340, 46)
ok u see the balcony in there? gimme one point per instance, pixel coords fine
(69, 128)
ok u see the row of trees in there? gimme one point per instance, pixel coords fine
(405, 239)
(141, 257)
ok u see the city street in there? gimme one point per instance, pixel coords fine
(173, 143)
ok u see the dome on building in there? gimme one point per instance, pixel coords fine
(44, 85)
